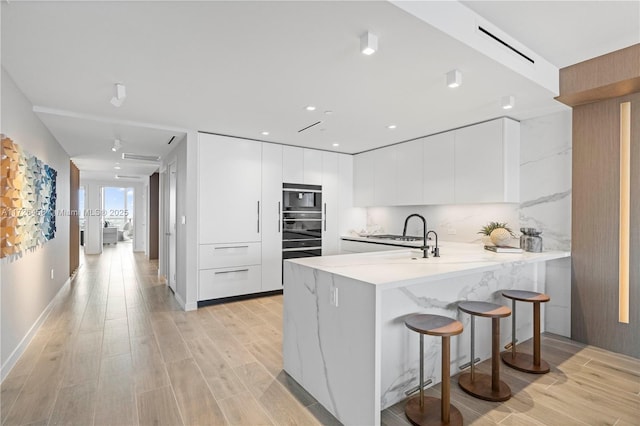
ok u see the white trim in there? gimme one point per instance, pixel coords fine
(19, 350)
(191, 306)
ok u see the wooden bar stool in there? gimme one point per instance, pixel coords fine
(518, 360)
(421, 410)
(483, 386)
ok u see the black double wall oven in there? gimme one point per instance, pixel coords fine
(301, 220)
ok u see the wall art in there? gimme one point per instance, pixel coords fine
(27, 200)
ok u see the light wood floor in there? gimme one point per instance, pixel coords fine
(116, 349)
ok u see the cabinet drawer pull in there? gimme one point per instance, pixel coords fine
(229, 272)
(258, 216)
(278, 216)
(325, 216)
(229, 247)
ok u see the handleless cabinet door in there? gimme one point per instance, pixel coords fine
(363, 175)
(312, 167)
(292, 164)
(229, 189)
(409, 170)
(439, 169)
(384, 178)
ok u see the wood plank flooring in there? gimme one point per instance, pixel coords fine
(117, 350)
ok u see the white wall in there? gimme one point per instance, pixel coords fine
(26, 286)
(184, 155)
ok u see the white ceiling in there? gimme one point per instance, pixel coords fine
(240, 68)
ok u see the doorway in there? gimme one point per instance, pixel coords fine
(172, 228)
(118, 215)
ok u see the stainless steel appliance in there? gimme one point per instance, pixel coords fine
(301, 220)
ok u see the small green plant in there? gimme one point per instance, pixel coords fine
(486, 230)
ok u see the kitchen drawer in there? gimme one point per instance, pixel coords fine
(228, 255)
(227, 282)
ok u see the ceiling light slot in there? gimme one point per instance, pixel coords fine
(504, 43)
(309, 126)
(127, 177)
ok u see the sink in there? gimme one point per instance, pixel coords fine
(395, 237)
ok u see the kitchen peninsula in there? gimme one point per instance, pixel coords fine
(344, 336)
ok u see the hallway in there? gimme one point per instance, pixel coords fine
(117, 350)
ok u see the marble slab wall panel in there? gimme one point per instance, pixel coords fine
(331, 350)
(400, 346)
(545, 178)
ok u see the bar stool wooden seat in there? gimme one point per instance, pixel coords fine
(421, 410)
(519, 360)
(483, 386)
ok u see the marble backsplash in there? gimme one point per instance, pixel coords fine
(545, 194)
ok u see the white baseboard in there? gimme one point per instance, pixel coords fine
(19, 350)
(191, 306)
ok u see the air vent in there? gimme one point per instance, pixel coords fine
(139, 157)
(127, 177)
(309, 126)
(504, 43)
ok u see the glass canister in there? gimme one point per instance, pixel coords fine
(530, 240)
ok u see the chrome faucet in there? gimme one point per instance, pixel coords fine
(424, 248)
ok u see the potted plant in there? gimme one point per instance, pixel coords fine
(497, 233)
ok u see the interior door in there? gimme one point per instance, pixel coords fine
(172, 227)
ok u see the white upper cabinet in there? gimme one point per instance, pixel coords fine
(301, 165)
(487, 162)
(230, 189)
(363, 173)
(409, 171)
(312, 167)
(438, 169)
(292, 164)
(384, 176)
(475, 164)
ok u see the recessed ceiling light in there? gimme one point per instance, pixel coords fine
(391, 126)
(328, 112)
(265, 133)
(368, 43)
(116, 145)
(454, 78)
(310, 108)
(117, 167)
(508, 102)
(336, 144)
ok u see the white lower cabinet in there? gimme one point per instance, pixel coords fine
(229, 255)
(227, 282)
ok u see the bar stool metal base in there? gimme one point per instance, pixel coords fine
(431, 414)
(524, 362)
(481, 387)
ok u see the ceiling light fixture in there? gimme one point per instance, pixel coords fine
(454, 78)
(368, 43)
(117, 167)
(265, 133)
(120, 95)
(508, 102)
(336, 144)
(310, 108)
(391, 126)
(328, 112)
(116, 145)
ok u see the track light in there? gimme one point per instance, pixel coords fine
(116, 145)
(508, 102)
(120, 95)
(454, 78)
(368, 43)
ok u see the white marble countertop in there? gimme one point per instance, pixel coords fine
(402, 267)
(384, 241)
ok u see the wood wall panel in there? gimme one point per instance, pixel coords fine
(154, 214)
(74, 220)
(619, 66)
(595, 221)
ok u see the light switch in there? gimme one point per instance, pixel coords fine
(183, 219)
